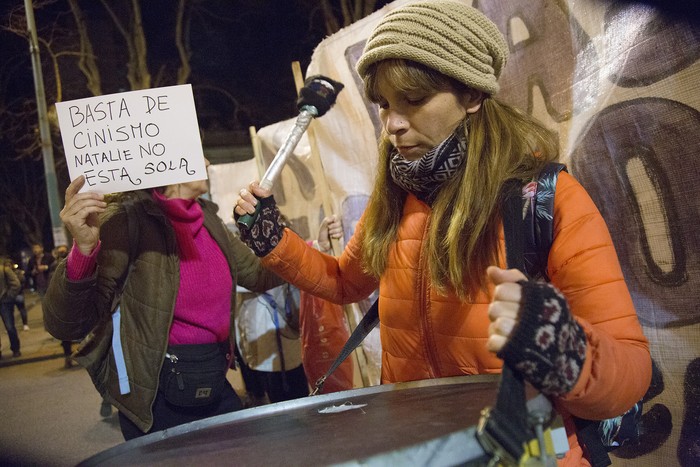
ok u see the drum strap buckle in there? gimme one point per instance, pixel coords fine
(507, 447)
(319, 385)
(498, 440)
(510, 432)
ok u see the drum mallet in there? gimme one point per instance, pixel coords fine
(316, 97)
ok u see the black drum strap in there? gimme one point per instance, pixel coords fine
(369, 321)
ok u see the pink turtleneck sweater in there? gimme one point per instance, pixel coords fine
(203, 304)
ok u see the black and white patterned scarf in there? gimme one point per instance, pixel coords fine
(425, 176)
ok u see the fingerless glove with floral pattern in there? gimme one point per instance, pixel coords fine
(547, 346)
(266, 232)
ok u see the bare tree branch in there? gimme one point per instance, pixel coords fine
(347, 12)
(238, 109)
(142, 78)
(330, 21)
(56, 69)
(346, 8)
(25, 206)
(183, 72)
(86, 62)
(137, 67)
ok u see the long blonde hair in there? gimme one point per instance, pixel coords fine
(503, 144)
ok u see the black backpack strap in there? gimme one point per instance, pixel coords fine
(513, 226)
(503, 430)
(536, 235)
(588, 437)
(538, 223)
(369, 321)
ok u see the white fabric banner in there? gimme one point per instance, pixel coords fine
(226, 180)
(620, 84)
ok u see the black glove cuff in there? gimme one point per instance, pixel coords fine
(547, 346)
(267, 229)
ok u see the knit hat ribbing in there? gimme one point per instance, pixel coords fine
(451, 37)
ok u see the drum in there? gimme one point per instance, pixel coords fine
(429, 422)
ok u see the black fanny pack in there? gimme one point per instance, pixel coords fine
(194, 375)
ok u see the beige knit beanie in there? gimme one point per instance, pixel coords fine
(449, 36)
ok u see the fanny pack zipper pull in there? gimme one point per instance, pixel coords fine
(180, 382)
(173, 359)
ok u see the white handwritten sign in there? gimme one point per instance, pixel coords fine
(133, 140)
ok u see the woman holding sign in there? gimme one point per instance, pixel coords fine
(160, 269)
(431, 237)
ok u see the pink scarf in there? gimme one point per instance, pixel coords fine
(186, 217)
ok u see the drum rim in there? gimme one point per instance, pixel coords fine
(271, 409)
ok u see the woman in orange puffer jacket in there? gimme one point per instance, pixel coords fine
(431, 237)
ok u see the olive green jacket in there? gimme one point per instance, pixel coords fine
(72, 309)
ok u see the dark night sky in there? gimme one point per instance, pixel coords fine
(244, 48)
(247, 49)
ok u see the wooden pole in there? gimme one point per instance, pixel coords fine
(352, 311)
(257, 150)
(317, 165)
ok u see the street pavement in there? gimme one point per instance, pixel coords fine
(49, 415)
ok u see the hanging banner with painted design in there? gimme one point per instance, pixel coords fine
(619, 82)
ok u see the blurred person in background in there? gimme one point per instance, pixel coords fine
(9, 288)
(20, 301)
(39, 268)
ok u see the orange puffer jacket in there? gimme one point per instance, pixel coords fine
(426, 335)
